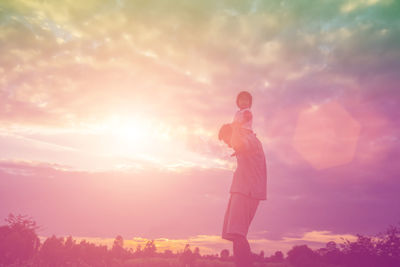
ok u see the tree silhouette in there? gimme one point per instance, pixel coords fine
(91, 254)
(277, 257)
(262, 254)
(383, 250)
(196, 253)
(70, 248)
(388, 244)
(52, 251)
(18, 239)
(224, 255)
(168, 253)
(118, 242)
(138, 251)
(149, 249)
(20, 246)
(331, 253)
(117, 249)
(362, 252)
(187, 257)
(303, 256)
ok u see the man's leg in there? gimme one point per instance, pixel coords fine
(238, 217)
(241, 251)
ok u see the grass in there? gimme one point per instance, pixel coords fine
(163, 262)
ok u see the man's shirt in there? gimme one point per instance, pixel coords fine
(250, 176)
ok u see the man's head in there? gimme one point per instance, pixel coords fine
(225, 134)
(244, 100)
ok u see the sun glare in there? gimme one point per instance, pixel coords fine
(133, 135)
(131, 130)
(136, 139)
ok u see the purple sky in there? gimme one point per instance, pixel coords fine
(109, 114)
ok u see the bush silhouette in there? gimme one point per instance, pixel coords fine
(20, 246)
(18, 239)
(303, 256)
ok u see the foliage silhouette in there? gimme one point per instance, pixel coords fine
(303, 256)
(20, 246)
(18, 239)
(224, 254)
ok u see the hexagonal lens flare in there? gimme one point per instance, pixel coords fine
(326, 135)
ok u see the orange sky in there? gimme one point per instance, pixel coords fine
(109, 114)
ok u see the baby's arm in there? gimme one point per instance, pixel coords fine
(247, 116)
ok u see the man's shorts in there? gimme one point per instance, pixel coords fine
(238, 216)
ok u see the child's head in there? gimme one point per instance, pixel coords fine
(244, 100)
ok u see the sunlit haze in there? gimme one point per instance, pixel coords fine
(110, 111)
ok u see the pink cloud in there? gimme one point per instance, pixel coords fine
(61, 86)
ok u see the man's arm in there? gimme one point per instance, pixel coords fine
(238, 143)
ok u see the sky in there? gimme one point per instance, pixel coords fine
(110, 111)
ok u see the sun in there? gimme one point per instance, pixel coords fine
(131, 129)
(145, 142)
(133, 135)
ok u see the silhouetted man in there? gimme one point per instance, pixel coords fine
(249, 186)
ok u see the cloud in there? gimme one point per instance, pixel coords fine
(68, 69)
(338, 200)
